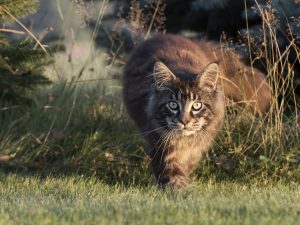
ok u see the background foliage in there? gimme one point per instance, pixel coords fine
(78, 125)
(20, 62)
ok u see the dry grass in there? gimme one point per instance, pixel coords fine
(81, 127)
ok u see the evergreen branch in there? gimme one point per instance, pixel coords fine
(19, 52)
(3, 64)
(21, 64)
(17, 89)
(24, 27)
(19, 8)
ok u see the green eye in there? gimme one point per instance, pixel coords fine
(173, 105)
(197, 106)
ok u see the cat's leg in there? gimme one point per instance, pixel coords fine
(169, 172)
(175, 179)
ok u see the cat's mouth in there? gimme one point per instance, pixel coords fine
(182, 130)
(186, 132)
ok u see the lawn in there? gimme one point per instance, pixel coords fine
(77, 159)
(80, 200)
(72, 156)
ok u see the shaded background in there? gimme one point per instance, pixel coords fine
(69, 26)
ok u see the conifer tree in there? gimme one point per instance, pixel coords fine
(21, 64)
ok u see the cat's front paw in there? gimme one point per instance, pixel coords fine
(176, 183)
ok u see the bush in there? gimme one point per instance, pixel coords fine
(21, 63)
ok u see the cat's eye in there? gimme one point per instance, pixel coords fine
(173, 105)
(197, 106)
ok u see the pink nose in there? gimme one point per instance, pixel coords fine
(185, 121)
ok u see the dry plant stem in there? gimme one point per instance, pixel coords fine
(43, 35)
(61, 15)
(99, 21)
(281, 76)
(153, 18)
(248, 36)
(71, 113)
(251, 61)
(25, 28)
(275, 60)
(95, 31)
(12, 31)
(50, 129)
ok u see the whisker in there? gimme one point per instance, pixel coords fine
(212, 139)
(160, 142)
(169, 137)
(166, 139)
(151, 131)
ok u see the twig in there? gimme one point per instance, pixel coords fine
(43, 35)
(12, 31)
(50, 129)
(61, 15)
(25, 28)
(153, 18)
(70, 114)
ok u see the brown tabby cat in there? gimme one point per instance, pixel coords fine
(174, 92)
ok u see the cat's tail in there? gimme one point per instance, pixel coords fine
(131, 34)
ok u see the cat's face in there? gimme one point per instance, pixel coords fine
(184, 107)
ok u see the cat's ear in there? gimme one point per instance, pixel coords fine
(209, 77)
(162, 74)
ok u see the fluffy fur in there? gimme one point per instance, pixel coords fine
(174, 92)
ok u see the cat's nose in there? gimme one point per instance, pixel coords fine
(184, 121)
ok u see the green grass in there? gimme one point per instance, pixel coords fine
(74, 157)
(82, 129)
(78, 131)
(80, 200)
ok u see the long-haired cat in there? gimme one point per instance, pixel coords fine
(174, 91)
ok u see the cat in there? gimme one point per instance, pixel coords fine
(174, 91)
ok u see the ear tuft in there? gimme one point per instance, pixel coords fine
(209, 77)
(162, 74)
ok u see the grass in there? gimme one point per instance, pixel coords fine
(80, 200)
(74, 157)
(77, 130)
(80, 125)
(73, 129)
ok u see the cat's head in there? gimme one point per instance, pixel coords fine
(183, 105)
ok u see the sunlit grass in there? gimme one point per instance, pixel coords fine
(74, 156)
(79, 200)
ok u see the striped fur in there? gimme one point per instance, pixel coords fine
(175, 96)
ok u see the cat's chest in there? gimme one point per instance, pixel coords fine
(188, 150)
